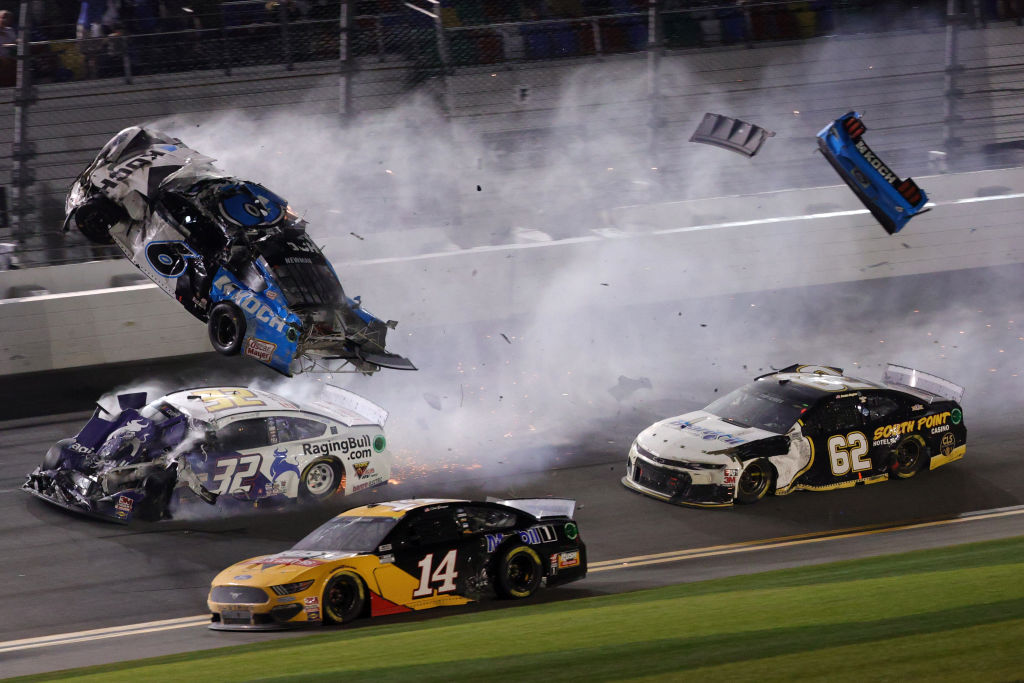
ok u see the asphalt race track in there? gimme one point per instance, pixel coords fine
(66, 574)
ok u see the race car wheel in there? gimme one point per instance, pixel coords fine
(321, 479)
(518, 572)
(227, 328)
(908, 456)
(96, 217)
(344, 598)
(755, 482)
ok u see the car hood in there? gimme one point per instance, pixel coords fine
(270, 570)
(697, 437)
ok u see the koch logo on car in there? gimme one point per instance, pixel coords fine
(248, 302)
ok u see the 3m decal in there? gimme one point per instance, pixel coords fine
(169, 257)
(845, 453)
(236, 474)
(444, 574)
(259, 349)
(217, 400)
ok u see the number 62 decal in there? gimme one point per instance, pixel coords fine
(846, 453)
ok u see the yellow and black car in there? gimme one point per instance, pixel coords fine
(400, 556)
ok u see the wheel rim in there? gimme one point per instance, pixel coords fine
(341, 598)
(908, 455)
(225, 330)
(754, 481)
(521, 572)
(320, 479)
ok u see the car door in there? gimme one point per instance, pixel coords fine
(235, 458)
(841, 444)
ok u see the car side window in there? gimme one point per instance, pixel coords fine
(482, 519)
(434, 527)
(243, 435)
(879, 407)
(295, 429)
(840, 416)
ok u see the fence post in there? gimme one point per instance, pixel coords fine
(442, 48)
(286, 46)
(655, 45)
(345, 57)
(21, 173)
(952, 93)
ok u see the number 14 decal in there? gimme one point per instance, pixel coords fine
(444, 574)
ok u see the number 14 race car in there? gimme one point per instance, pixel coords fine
(387, 558)
(803, 427)
(230, 251)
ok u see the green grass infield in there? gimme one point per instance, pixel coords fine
(952, 614)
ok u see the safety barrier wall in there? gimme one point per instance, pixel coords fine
(678, 252)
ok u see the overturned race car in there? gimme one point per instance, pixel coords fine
(891, 200)
(230, 251)
(221, 445)
(804, 427)
(403, 556)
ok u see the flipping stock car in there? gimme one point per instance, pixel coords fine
(230, 251)
(803, 427)
(239, 444)
(891, 200)
(387, 558)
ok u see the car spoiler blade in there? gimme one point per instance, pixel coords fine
(732, 134)
(354, 403)
(540, 507)
(388, 360)
(915, 379)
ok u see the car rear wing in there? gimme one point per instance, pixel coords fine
(732, 134)
(353, 405)
(909, 378)
(540, 507)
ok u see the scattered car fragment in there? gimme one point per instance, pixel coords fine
(803, 427)
(732, 134)
(891, 200)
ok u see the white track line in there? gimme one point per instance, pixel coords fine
(605, 565)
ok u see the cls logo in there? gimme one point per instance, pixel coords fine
(169, 257)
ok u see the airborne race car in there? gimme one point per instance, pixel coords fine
(803, 427)
(230, 251)
(387, 558)
(242, 445)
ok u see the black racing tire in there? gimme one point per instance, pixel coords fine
(227, 328)
(96, 217)
(344, 599)
(518, 572)
(321, 479)
(908, 457)
(755, 482)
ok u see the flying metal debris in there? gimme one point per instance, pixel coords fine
(732, 134)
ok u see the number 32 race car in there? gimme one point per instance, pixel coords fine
(230, 251)
(803, 427)
(405, 555)
(240, 444)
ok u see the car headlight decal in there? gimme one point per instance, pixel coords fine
(289, 588)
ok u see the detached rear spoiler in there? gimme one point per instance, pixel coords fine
(908, 378)
(347, 402)
(540, 507)
(732, 134)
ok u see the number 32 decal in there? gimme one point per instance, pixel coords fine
(846, 452)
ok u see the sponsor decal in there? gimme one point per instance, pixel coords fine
(124, 504)
(313, 600)
(939, 430)
(875, 162)
(363, 469)
(242, 577)
(355, 447)
(259, 349)
(288, 561)
(572, 532)
(729, 476)
(387, 558)
(955, 416)
(312, 614)
(708, 434)
(249, 303)
(121, 173)
(947, 444)
(917, 407)
(364, 485)
(493, 541)
(271, 294)
(290, 598)
(169, 257)
(929, 421)
(850, 395)
(538, 534)
(379, 443)
(569, 559)
(280, 465)
(384, 548)
(79, 448)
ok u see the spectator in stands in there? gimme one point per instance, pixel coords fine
(95, 20)
(8, 35)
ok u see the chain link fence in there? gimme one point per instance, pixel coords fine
(69, 80)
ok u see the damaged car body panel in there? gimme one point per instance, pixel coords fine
(231, 252)
(802, 427)
(214, 444)
(891, 200)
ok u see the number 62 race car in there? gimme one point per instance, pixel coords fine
(387, 558)
(803, 427)
(242, 445)
(230, 251)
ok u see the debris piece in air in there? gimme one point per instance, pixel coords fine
(604, 284)
(627, 386)
(505, 337)
(358, 237)
(433, 401)
(478, 188)
(732, 134)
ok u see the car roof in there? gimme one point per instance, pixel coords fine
(225, 401)
(400, 508)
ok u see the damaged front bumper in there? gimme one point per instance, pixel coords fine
(692, 485)
(118, 507)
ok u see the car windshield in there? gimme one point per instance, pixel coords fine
(765, 405)
(355, 534)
